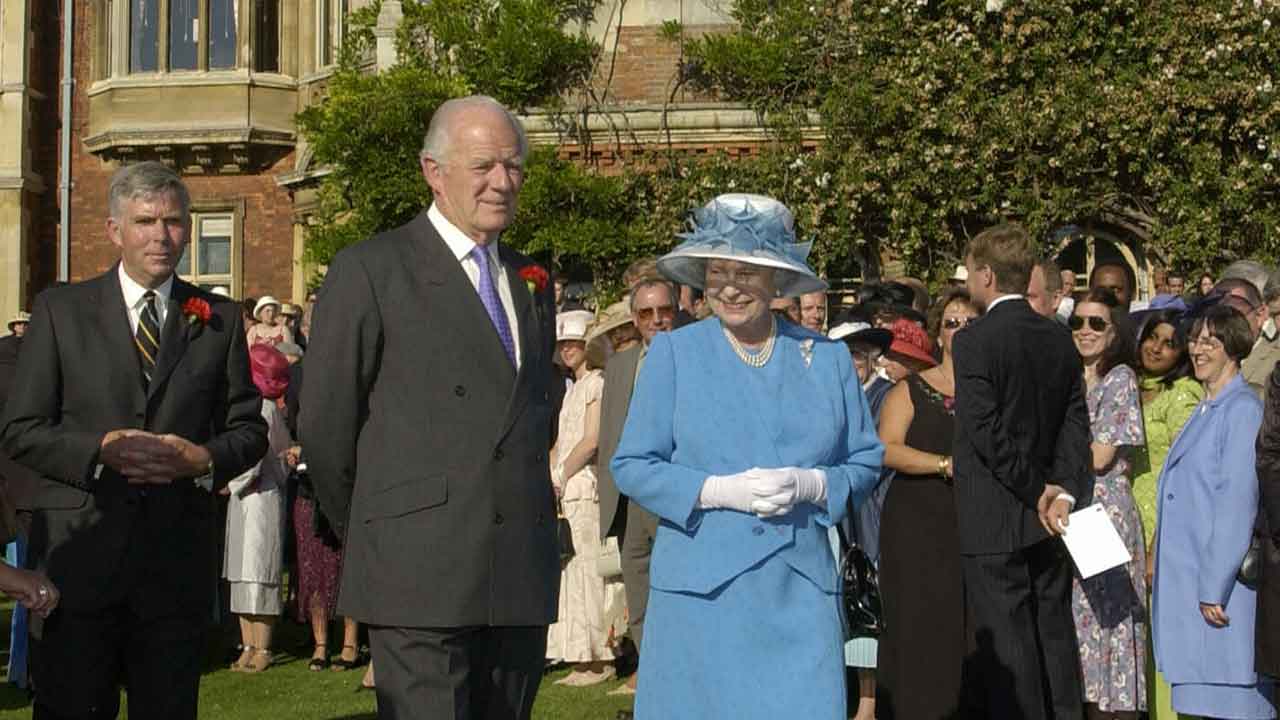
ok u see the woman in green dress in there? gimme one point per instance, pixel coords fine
(1169, 394)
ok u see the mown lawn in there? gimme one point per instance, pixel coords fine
(290, 690)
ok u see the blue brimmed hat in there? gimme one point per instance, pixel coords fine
(751, 229)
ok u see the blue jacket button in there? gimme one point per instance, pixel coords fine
(757, 530)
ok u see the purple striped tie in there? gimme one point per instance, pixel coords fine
(492, 303)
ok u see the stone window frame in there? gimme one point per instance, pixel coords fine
(209, 209)
(110, 36)
(330, 28)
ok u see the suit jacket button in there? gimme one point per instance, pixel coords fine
(1169, 496)
(541, 518)
(498, 454)
(757, 530)
(539, 458)
(459, 390)
(498, 519)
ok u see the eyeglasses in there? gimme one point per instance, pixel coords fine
(1096, 323)
(1209, 343)
(955, 323)
(650, 314)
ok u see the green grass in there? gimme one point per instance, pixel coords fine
(290, 690)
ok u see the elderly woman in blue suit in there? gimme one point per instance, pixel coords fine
(1203, 617)
(748, 437)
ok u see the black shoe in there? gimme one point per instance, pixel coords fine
(319, 663)
(342, 664)
(625, 715)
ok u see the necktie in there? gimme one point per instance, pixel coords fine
(147, 337)
(492, 303)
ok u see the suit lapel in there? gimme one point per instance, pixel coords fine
(445, 277)
(528, 331)
(113, 321)
(173, 336)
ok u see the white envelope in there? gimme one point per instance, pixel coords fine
(1093, 542)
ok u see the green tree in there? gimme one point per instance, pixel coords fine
(368, 131)
(942, 117)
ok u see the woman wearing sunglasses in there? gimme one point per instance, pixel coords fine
(1202, 615)
(1110, 608)
(922, 650)
(1169, 396)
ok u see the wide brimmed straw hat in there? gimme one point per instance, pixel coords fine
(751, 229)
(910, 340)
(573, 325)
(263, 302)
(19, 317)
(611, 318)
(860, 332)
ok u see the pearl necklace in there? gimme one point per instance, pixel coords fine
(755, 359)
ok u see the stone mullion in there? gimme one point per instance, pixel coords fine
(202, 40)
(162, 33)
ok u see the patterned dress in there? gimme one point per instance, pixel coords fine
(1163, 417)
(1110, 608)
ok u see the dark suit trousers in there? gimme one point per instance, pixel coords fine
(635, 550)
(1025, 664)
(82, 658)
(466, 673)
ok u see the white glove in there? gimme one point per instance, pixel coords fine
(777, 492)
(727, 492)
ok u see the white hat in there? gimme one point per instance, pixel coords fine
(851, 332)
(20, 317)
(751, 229)
(573, 325)
(264, 301)
(222, 291)
(961, 274)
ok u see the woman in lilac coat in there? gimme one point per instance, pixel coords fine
(1203, 616)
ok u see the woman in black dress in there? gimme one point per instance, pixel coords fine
(923, 647)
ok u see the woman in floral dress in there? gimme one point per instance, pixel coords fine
(1110, 608)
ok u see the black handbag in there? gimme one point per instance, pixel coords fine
(1252, 563)
(564, 534)
(860, 595)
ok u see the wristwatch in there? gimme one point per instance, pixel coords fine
(205, 481)
(944, 465)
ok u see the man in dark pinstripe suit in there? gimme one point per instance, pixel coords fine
(1021, 464)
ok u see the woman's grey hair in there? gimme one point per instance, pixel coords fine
(436, 143)
(145, 179)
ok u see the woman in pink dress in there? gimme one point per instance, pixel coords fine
(266, 331)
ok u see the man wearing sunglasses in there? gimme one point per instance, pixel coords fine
(1021, 463)
(653, 310)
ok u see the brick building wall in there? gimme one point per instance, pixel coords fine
(265, 209)
(645, 66)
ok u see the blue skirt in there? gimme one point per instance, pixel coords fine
(1237, 702)
(766, 645)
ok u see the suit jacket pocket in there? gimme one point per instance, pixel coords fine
(407, 497)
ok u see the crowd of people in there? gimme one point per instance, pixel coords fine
(679, 489)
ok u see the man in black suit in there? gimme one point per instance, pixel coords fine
(1022, 462)
(133, 403)
(427, 427)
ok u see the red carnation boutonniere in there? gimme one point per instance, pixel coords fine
(535, 278)
(196, 311)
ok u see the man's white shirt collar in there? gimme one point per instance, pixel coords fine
(459, 244)
(133, 293)
(1011, 296)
